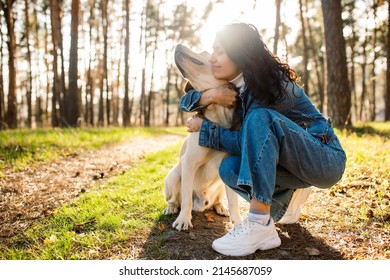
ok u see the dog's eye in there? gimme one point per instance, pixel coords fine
(195, 61)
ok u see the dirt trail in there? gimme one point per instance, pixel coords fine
(33, 193)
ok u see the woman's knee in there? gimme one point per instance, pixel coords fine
(259, 115)
(228, 170)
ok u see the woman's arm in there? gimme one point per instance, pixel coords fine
(213, 136)
(194, 100)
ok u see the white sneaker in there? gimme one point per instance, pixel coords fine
(247, 237)
(294, 208)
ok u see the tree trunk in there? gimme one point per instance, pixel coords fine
(2, 102)
(126, 111)
(318, 66)
(339, 94)
(39, 99)
(58, 90)
(364, 84)
(103, 80)
(29, 74)
(142, 107)
(364, 87)
(89, 90)
(73, 106)
(352, 78)
(144, 45)
(104, 87)
(48, 86)
(167, 101)
(305, 78)
(12, 107)
(277, 25)
(372, 94)
(387, 94)
(150, 107)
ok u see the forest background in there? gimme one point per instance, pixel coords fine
(87, 63)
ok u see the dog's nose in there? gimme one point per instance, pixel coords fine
(180, 48)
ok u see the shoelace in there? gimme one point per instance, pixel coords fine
(242, 228)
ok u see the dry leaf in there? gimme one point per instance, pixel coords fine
(161, 227)
(312, 251)
(209, 217)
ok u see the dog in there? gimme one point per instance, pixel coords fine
(194, 182)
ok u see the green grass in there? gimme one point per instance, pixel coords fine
(367, 176)
(20, 148)
(373, 128)
(367, 148)
(101, 218)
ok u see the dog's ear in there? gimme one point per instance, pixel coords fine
(188, 86)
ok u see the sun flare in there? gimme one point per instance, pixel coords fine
(262, 15)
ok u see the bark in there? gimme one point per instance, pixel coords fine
(29, 74)
(277, 25)
(12, 108)
(58, 85)
(387, 94)
(2, 101)
(39, 99)
(103, 81)
(318, 66)
(338, 91)
(305, 78)
(126, 109)
(73, 106)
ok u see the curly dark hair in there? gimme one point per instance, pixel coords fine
(264, 73)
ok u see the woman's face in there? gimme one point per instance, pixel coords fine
(222, 66)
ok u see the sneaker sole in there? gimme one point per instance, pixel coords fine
(267, 244)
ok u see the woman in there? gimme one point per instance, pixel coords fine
(283, 143)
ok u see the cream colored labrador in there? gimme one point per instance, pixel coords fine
(194, 182)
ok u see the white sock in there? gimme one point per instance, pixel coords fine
(259, 217)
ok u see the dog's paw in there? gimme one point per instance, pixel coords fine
(235, 219)
(169, 210)
(182, 224)
(221, 210)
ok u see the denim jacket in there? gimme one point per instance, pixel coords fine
(296, 106)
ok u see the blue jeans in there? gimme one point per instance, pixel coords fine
(277, 156)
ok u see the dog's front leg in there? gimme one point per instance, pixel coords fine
(183, 221)
(191, 160)
(232, 199)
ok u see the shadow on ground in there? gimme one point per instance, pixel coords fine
(166, 243)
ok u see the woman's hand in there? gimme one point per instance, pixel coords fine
(223, 95)
(194, 123)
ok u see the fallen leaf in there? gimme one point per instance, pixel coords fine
(161, 227)
(312, 251)
(209, 217)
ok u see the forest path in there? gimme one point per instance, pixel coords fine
(33, 193)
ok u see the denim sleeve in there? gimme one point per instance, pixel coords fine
(218, 138)
(188, 101)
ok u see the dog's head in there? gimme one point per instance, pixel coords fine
(196, 68)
